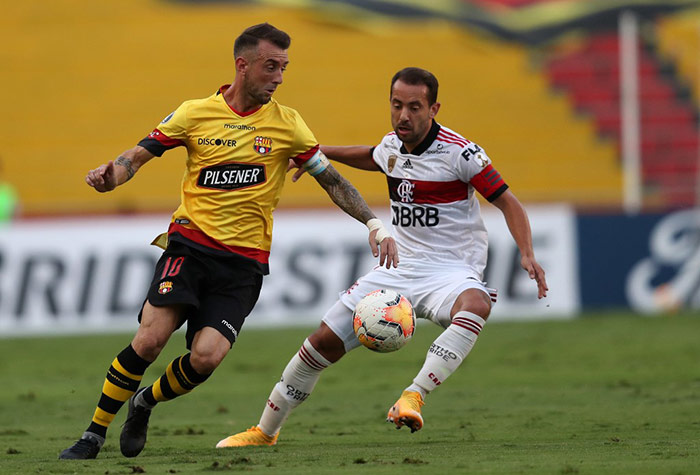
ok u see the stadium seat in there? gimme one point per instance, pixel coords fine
(590, 75)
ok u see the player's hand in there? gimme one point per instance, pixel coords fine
(536, 273)
(386, 250)
(297, 174)
(102, 178)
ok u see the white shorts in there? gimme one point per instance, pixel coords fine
(431, 291)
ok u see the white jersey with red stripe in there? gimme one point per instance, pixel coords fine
(436, 218)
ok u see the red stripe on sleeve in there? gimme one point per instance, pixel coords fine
(164, 139)
(489, 183)
(158, 143)
(303, 157)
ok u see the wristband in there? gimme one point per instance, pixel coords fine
(382, 233)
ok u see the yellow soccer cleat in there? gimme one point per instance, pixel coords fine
(253, 436)
(406, 411)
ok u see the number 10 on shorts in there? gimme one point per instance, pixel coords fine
(172, 267)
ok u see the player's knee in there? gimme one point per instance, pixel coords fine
(474, 304)
(482, 309)
(209, 347)
(326, 342)
(207, 361)
(148, 345)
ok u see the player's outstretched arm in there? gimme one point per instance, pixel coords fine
(519, 226)
(349, 200)
(356, 156)
(117, 172)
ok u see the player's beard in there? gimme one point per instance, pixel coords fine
(259, 94)
(261, 97)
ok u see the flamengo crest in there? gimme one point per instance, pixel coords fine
(405, 191)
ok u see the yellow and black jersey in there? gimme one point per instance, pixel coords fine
(235, 171)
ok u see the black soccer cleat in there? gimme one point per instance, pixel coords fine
(86, 448)
(133, 436)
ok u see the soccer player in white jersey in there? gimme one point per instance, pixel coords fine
(432, 173)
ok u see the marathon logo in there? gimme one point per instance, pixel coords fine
(239, 127)
(230, 327)
(231, 176)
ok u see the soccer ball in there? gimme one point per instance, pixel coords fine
(384, 320)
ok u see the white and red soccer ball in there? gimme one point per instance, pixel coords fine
(384, 320)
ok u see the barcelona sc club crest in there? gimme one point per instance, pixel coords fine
(165, 287)
(262, 145)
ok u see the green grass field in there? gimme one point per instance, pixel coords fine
(607, 394)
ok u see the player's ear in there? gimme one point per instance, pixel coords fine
(434, 110)
(241, 65)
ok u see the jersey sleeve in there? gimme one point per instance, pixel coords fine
(170, 133)
(381, 157)
(475, 168)
(304, 144)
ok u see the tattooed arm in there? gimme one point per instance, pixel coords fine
(117, 172)
(347, 198)
(344, 194)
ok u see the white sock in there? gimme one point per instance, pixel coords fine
(298, 380)
(447, 352)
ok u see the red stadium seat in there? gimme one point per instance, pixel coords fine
(668, 121)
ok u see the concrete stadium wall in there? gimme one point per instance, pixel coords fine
(91, 275)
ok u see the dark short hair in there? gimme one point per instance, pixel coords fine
(417, 77)
(252, 35)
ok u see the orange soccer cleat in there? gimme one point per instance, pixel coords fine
(406, 411)
(253, 436)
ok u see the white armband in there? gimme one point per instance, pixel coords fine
(316, 164)
(382, 233)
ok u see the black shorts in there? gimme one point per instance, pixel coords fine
(218, 291)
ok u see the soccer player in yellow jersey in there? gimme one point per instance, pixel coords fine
(239, 142)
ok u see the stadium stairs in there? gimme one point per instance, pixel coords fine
(669, 118)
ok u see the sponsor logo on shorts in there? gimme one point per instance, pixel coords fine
(165, 287)
(231, 176)
(262, 145)
(230, 327)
